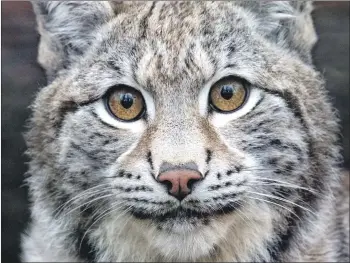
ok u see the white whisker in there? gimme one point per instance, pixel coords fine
(111, 210)
(264, 200)
(80, 195)
(285, 183)
(253, 183)
(89, 202)
(282, 199)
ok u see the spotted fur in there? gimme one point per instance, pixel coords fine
(272, 189)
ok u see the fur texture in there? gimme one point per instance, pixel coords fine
(271, 189)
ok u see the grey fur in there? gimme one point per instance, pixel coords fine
(272, 189)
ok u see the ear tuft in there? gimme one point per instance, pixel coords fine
(67, 30)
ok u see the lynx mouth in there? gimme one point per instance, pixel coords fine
(183, 214)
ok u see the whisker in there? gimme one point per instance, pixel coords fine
(257, 168)
(89, 202)
(281, 191)
(284, 200)
(250, 223)
(264, 200)
(111, 207)
(282, 185)
(126, 221)
(247, 206)
(284, 182)
(73, 204)
(80, 195)
(111, 210)
(270, 170)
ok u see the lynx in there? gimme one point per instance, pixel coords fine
(183, 131)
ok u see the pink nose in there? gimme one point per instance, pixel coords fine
(179, 182)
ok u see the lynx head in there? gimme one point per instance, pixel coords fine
(179, 130)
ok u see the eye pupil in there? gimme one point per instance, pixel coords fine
(126, 100)
(125, 103)
(226, 92)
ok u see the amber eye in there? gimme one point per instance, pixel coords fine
(125, 103)
(228, 94)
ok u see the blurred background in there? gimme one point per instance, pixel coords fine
(21, 78)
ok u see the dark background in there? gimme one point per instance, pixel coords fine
(22, 78)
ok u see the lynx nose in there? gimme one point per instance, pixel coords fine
(179, 182)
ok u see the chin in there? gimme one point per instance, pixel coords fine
(186, 235)
(186, 241)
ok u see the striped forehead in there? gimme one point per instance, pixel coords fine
(159, 67)
(173, 45)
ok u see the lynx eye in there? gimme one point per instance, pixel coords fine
(228, 94)
(125, 103)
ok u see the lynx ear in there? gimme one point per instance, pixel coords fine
(289, 24)
(66, 30)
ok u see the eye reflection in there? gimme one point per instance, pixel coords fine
(126, 100)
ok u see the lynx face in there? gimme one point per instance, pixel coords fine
(177, 127)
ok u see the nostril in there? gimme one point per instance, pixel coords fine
(167, 184)
(191, 182)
